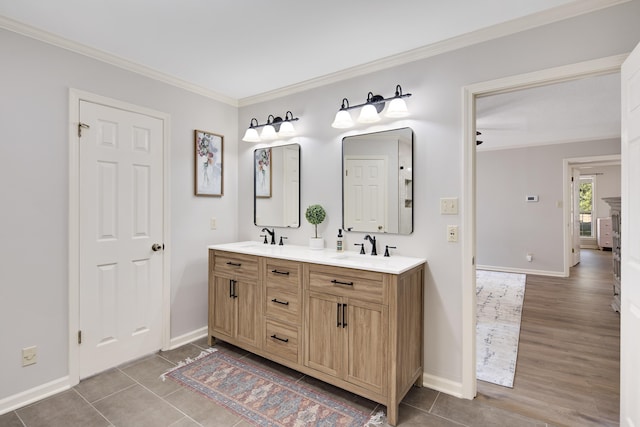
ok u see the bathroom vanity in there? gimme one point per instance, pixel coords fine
(355, 321)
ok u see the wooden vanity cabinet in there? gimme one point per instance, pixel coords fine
(234, 295)
(356, 329)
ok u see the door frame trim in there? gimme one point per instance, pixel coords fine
(559, 74)
(75, 96)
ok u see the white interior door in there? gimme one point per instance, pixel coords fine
(292, 187)
(121, 218)
(575, 216)
(365, 189)
(630, 244)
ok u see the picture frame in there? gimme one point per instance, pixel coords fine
(209, 167)
(262, 172)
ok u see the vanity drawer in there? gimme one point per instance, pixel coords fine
(281, 340)
(283, 305)
(283, 274)
(361, 284)
(236, 264)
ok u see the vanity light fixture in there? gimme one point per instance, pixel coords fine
(275, 128)
(370, 110)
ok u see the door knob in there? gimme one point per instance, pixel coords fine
(157, 247)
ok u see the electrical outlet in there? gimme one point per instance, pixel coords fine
(449, 206)
(452, 233)
(529, 257)
(29, 355)
(213, 223)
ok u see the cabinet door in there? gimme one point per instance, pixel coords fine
(366, 354)
(222, 306)
(246, 299)
(323, 334)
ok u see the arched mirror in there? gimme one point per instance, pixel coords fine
(276, 191)
(377, 182)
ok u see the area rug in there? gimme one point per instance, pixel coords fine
(499, 299)
(263, 397)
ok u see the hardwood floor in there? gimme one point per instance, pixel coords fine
(568, 364)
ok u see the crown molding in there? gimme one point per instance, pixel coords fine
(539, 19)
(47, 37)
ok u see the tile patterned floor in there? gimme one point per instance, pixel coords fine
(133, 395)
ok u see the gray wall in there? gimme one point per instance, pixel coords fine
(33, 169)
(508, 227)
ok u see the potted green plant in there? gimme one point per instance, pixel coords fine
(315, 214)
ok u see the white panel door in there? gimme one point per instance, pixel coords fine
(575, 216)
(121, 217)
(630, 244)
(365, 194)
(292, 187)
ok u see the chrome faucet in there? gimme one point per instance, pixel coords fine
(271, 233)
(373, 244)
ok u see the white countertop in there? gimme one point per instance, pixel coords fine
(393, 264)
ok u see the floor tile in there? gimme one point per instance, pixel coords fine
(103, 385)
(137, 407)
(181, 354)
(202, 342)
(10, 420)
(66, 409)
(202, 409)
(412, 417)
(185, 422)
(473, 413)
(421, 398)
(148, 371)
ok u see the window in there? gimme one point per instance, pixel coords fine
(587, 213)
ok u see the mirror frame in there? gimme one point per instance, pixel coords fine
(256, 197)
(364, 135)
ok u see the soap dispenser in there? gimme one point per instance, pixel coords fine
(339, 241)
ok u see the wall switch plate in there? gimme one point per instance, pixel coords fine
(452, 233)
(29, 355)
(449, 206)
(213, 223)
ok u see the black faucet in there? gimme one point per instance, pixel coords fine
(386, 249)
(361, 247)
(271, 233)
(373, 244)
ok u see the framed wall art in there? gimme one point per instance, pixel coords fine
(208, 164)
(262, 172)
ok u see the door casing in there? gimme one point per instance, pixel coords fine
(75, 96)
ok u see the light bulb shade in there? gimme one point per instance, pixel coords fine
(343, 120)
(368, 114)
(251, 135)
(397, 108)
(286, 129)
(268, 133)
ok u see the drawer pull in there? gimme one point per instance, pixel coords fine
(234, 264)
(284, 273)
(274, 336)
(337, 282)
(280, 302)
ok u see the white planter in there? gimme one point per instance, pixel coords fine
(316, 243)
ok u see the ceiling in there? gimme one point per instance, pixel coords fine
(245, 51)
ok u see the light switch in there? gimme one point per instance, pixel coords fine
(449, 206)
(213, 223)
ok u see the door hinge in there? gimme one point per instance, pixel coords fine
(573, 250)
(79, 337)
(80, 127)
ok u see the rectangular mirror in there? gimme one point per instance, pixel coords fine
(377, 182)
(276, 190)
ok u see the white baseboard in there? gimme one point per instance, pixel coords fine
(27, 397)
(442, 385)
(188, 337)
(520, 270)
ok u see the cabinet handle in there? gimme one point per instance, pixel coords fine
(344, 315)
(284, 273)
(337, 282)
(280, 302)
(274, 336)
(338, 316)
(234, 264)
(232, 288)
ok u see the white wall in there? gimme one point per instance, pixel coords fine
(508, 227)
(436, 119)
(608, 184)
(34, 82)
